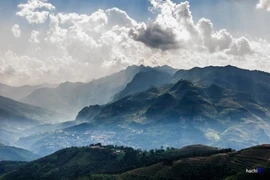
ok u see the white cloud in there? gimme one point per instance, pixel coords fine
(19, 69)
(118, 17)
(35, 11)
(264, 4)
(34, 37)
(16, 31)
(174, 28)
(79, 47)
(240, 47)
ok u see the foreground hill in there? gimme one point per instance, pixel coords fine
(72, 163)
(115, 162)
(9, 153)
(220, 166)
(72, 97)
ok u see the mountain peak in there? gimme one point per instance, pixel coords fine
(182, 84)
(68, 83)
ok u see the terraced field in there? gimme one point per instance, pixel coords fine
(220, 166)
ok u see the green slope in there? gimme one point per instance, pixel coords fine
(220, 166)
(72, 163)
(115, 162)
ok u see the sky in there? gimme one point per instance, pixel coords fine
(53, 41)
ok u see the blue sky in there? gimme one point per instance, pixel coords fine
(138, 9)
(234, 15)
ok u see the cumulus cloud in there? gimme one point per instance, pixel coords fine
(35, 11)
(16, 31)
(264, 4)
(214, 41)
(240, 47)
(80, 47)
(95, 38)
(118, 17)
(34, 37)
(174, 28)
(154, 35)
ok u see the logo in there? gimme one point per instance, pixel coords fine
(259, 170)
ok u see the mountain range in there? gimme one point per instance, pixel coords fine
(182, 100)
(208, 114)
(217, 106)
(17, 93)
(69, 97)
(256, 83)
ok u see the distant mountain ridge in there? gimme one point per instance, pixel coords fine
(10, 153)
(143, 81)
(256, 83)
(17, 93)
(17, 112)
(71, 97)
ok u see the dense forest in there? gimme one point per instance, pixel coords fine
(75, 162)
